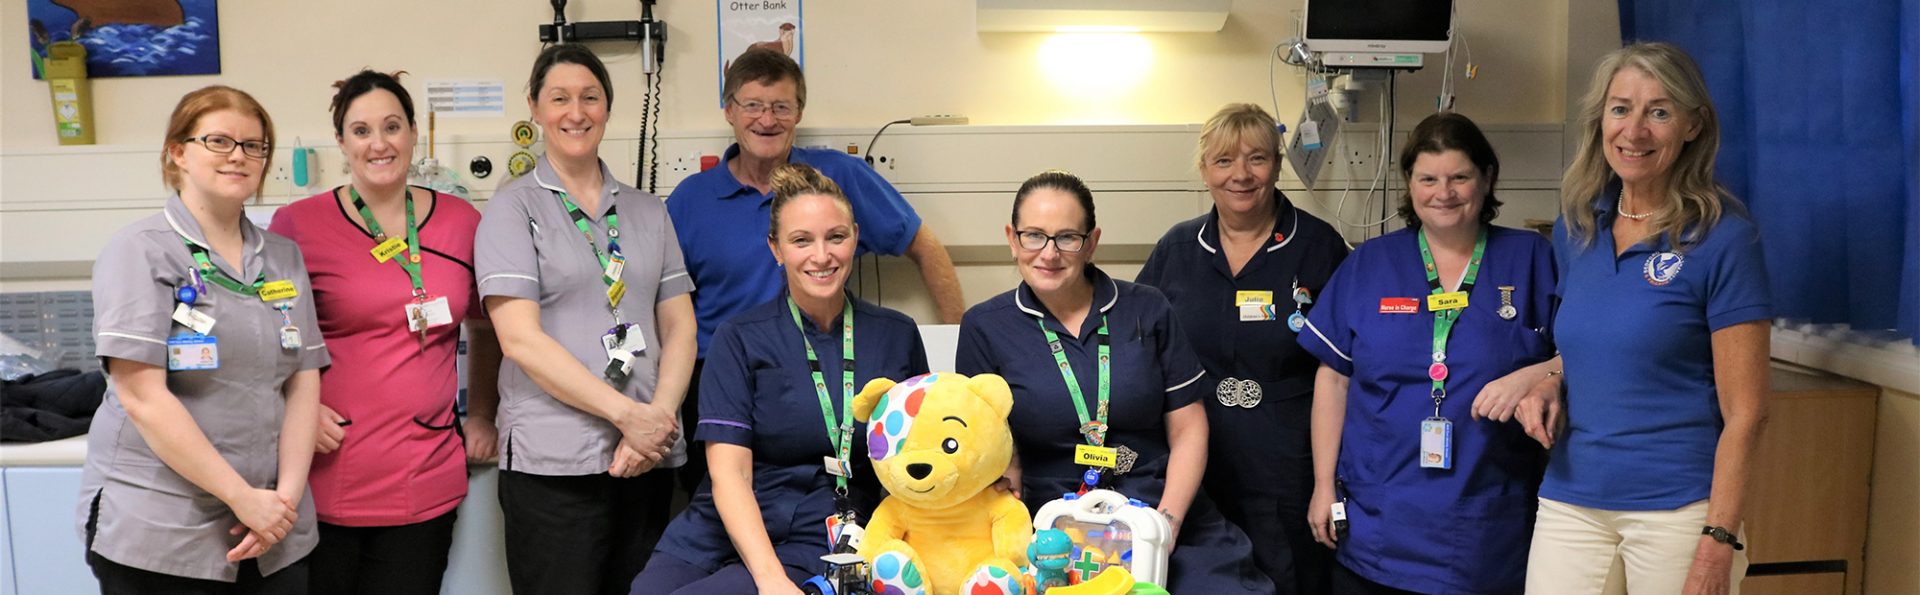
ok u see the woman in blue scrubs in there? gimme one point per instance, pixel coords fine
(1412, 328)
(759, 522)
(1241, 279)
(1068, 315)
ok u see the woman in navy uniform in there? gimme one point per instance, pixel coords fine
(1241, 279)
(759, 522)
(1414, 328)
(1068, 315)
(196, 477)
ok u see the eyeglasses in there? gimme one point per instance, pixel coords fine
(220, 143)
(1067, 241)
(781, 109)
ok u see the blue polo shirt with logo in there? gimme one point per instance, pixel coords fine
(1635, 332)
(723, 231)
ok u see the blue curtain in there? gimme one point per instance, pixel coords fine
(1820, 116)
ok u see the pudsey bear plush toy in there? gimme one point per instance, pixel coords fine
(938, 443)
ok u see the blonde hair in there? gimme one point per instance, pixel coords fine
(186, 117)
(1698, 200)
(794, 180)
(1234, 125)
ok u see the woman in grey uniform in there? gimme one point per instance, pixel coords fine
(197, 461)
(583, 280)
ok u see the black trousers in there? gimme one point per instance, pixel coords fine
(581, 534)
(119, 579)
(396, 560)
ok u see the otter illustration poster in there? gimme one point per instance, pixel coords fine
(748, 24)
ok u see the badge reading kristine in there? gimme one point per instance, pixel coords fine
(1662, 268)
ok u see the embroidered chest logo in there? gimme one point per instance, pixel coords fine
(1662, 268)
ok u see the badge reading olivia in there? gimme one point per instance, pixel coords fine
(1662, 268)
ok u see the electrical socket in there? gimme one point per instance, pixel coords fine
(686, 165)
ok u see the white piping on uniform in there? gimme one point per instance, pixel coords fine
(1289, 239)
(1323, 339)
(1195, 378)
(671, 277)
(134, 337)
(183, 234)
(508, 276)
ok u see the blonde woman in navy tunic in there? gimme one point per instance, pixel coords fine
(196, 478)
(1253, 246)
(1150, 405)
(1393, 371)
(758, 523)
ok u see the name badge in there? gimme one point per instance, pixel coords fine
(1252, 297)
(1399, 305)
(1095, 456)
(616, 264)
(389, 249)
(278, 290)
(1258, 312)
(194, 320)
(193, 352)
(615, 292)
(432, 313)
(1436, 443)
(837, 468)
(1447, 301)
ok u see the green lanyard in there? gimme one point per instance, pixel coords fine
(615, 288)
(839, 432)
(1443, 320)
(412, 263)
(1094, 428)
(219, 277)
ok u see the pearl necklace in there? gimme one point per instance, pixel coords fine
(1620, 206)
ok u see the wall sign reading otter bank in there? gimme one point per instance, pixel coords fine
(747, 24)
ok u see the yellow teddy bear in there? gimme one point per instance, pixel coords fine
(938, 443)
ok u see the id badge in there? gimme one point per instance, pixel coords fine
(433, 312)
(189, 351)
(278, 291)
(388, 249)
(1436, 443)
(625, 338)
(837, 468)
(195, 320)
(616, 264)
(1447, 301)
(1259, 312)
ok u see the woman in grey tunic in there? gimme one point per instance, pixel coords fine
(197, 460)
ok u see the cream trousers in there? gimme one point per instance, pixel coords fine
(1588, 551)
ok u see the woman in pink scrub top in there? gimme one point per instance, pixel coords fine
(392, 269)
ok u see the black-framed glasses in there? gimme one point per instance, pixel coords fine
(220, 143)
(780, 109)
(1066, 241)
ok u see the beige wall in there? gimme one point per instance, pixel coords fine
(868, 61)
(1893, 529)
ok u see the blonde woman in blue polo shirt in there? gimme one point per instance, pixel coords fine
(1663, 330)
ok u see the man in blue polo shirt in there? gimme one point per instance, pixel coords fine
(721, 215)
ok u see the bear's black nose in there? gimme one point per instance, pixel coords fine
(919, 470)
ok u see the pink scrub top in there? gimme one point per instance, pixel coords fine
(402, 461)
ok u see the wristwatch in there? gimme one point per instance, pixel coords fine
(1722, 535)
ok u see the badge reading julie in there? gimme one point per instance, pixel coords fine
(1662, 268)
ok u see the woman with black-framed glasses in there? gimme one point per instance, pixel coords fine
(1049, 338)
(197, 460)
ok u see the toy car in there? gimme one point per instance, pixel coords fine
(846, 574)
